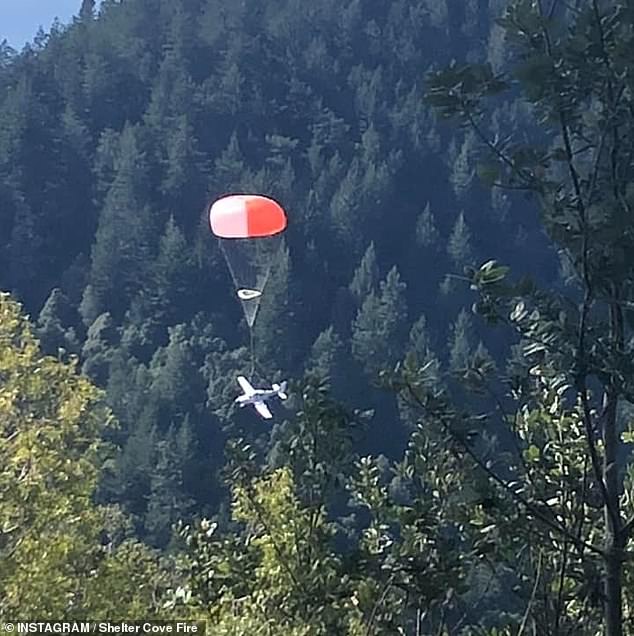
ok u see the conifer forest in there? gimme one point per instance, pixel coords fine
(451, 303)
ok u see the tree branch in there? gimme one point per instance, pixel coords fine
(504, 484)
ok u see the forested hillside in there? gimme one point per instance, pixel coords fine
(119, 131)
(416, 440)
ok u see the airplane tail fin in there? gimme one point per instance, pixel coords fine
(281, 391)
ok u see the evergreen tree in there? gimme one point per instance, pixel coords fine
(167, 501)
(182, 180)
(378, 329)
(419, 343)
(500, 204)
(87, 10)
(24, 250)
(274, 321)
(127, 476)
(427, 234)
(461, 342)
(169, 297)
(172, 93)
(173, 270)
(229, 166)
(89, 306)
(419, 354)
(459, 247)
(105, 159)
(97, 349)
(127, 389)
(176, 383)
(326, 360)
(54, 328)
(122, 246)
(366, 276)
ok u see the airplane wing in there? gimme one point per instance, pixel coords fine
(263, 410)
(245, 385)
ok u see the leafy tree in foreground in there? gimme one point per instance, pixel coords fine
(279, 577)
(60, 555)
(574, 67)
(296, 560)
(277, 571)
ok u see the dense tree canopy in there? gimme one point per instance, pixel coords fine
(429, 474)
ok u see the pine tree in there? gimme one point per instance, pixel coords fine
(274, 322)
(420, 355)
(183, 160)
(127, 390)
(345, 204)
(89, 306)
(24, 253)
(122, 246)
(326, 359)
(98, 349)
(366, 276)
(378, 330)
(128, 478)
(459, 247)
(172, 94)
(229, 167)
(169, 297)
(176, 383)
(461, 341)
(54, 328)
(461, 171)
(427, 234)
(167, 501)
(87, 10)
(419, 343)
(105, 159)
(194, 468)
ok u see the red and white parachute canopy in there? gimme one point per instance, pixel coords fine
(249, 228)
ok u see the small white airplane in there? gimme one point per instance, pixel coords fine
(259, 397)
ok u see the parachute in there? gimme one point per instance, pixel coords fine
(249, 229)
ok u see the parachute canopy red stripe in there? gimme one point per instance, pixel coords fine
(246, 216)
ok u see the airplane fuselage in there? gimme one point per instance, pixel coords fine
(259, 395)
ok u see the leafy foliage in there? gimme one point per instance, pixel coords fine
(60, 555)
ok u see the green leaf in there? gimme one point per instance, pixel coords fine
(627, 437)
(532, 453)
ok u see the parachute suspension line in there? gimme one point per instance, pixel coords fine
(252, 353)
(256, 368)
